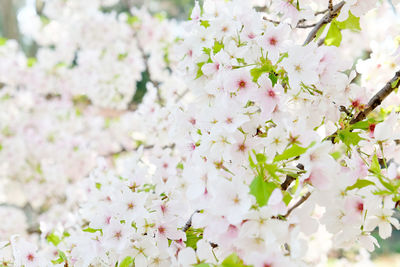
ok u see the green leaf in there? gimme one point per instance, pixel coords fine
(207, 51)
(121, 57)
(232, 261)
(127, 262)
(31, 61)
(261, 190)
(161, 16)
(261, 158)
(351, 23)
(363, 125)
(202, 265)
(375, 167)
(394, 84)
(336, 155)
(132, 20)
(3, 41)
(257, 72)
(205, 23)
(252, 164)
(386, 184)
(291, 152)
(334, 36)
(273, 78)
(199, 71)
(382, 192)
(61, 258)
(287, 197)
(193, 236)
(179, 166)
(271, 169)
(217, 47)
(91, 230)
(361, 183)
(54, 239)
(349, 138)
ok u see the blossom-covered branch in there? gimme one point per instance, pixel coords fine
(325, 20)
(378, 98)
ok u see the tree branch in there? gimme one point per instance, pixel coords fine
(289, 179)
(325, 20)
(147, 68)
(188, 224)
(30, 215)
(298, 203)
(378, 98)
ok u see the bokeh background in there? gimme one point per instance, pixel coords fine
(15, 16)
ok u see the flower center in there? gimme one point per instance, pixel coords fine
(273, 41)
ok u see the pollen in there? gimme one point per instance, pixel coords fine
(298, 68)
(273, 41)
(360, 207)
(242, 84)
(242, 147)
(30, 257)
(118, 235)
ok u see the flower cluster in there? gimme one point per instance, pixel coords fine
(254, 147)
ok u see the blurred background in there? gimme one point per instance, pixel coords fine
(14, 14)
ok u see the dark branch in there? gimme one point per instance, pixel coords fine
(298, 203)
(188, 224)
(325, 20)
(330, 7)
(300, 26)
(30, 215)
(378, 98)
(289, 179)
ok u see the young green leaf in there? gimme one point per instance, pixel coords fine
(261, 190)
(361, 183)
(334, 36)
(351, 23)
(291, 152)
(349, 138)
(126, 262)
(232, 261)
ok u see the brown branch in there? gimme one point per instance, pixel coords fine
(181, 95)
(289, 179)
(321, 12)
(147, 69)
(325, 20)
(299, 25)
(30, 215)
(298, 203)
(188, 224)
(306, 26)
(378, 98)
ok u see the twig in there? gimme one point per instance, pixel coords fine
(377, 99)
(181, 95)
(30, 215)
(147, 68)
(289, 179)
(345, 110)
(330, 7)
(272, 21)
(306, 26)
(188, 224)
(298, 203)
(299, 24)
(325, 20)
(321, 12)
